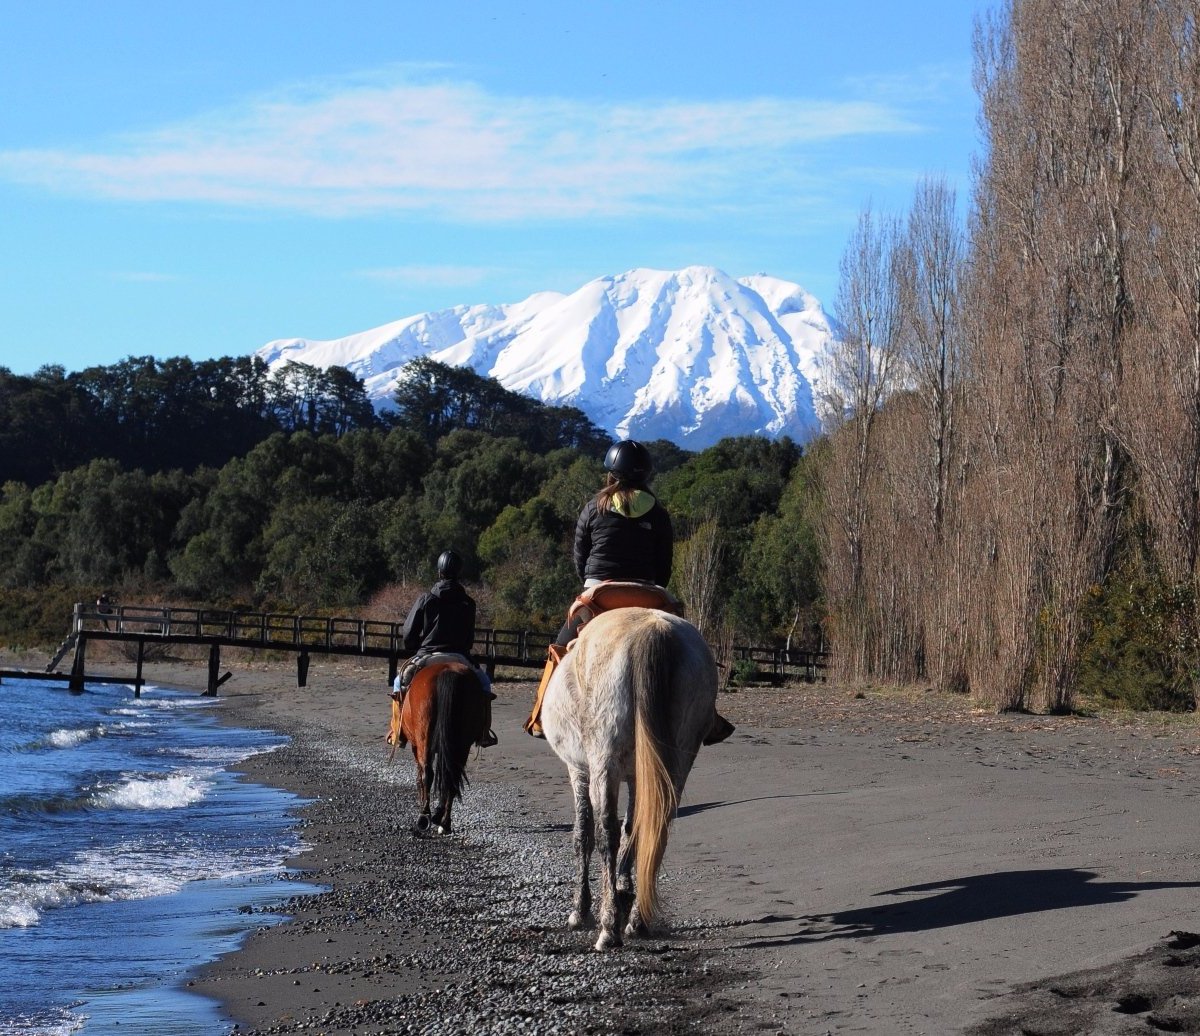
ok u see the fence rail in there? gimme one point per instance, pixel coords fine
(305, 634)
(781, 662)
(267, 630)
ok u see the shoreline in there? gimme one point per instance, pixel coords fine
(433, 935)
(888, 862)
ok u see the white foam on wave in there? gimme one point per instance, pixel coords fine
(222, 755)
(170, 792)
(175, 700)
(18, 913)
(148, 704)
(56, 1022)
(69, 738)
(131, 870)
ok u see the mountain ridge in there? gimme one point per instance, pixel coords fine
(689, 355)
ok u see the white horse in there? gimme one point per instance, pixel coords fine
(630, 703)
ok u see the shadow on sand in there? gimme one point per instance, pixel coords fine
(956, 901)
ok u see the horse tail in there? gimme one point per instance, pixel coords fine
(452, 733)
(655, 798)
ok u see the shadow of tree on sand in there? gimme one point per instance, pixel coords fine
(957, 901)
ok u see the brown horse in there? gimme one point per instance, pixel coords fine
(444, 712)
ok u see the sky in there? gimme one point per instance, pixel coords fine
(197, 179)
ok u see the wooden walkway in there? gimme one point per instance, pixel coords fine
(301, 635)
(304, 636)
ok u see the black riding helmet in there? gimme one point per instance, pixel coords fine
(450, 565)
(629, 461)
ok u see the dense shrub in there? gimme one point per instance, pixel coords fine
(1142, 650)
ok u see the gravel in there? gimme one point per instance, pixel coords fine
(456, 933)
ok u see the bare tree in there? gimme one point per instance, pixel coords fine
(863, 368)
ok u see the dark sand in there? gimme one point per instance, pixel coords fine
(891, 863)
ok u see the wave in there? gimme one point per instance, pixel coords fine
(63, 737)
(131, 870)
(53, 1022)
(70, 737)
(222, 755)
(133, 792)
(174, 700)
(170, 792)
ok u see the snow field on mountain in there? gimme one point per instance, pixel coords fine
(691, 355)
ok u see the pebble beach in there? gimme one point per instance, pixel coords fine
(880, 862)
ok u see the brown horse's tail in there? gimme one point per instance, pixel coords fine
(458, 715)
(655, 796)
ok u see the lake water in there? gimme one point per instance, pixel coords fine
(128, 852)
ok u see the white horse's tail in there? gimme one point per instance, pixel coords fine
(655, 797)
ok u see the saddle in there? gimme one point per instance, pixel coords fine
(413, 666)
(604, 597)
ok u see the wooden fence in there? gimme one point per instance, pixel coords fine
(304, 635)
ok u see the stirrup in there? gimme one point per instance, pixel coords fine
(533, 725)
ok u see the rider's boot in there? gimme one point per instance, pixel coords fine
(533, 725)
(721, 729)
(488, 737)
(396, 736)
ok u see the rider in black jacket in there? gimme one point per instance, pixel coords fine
(443, 620)
(623, 533)
(627, 536)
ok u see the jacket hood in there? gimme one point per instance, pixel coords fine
(634, 505)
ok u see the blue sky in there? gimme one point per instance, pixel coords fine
(199, 178)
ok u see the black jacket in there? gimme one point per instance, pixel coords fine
(636, 544)
(442, 620)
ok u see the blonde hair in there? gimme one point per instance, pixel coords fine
(615, 491)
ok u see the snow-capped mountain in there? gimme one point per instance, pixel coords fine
(691, 355)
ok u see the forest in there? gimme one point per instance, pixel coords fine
(1012, 504)
(225, 484)
(1005, 501)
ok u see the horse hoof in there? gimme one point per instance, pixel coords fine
(608, 941)
(636, 929)
(577, 921)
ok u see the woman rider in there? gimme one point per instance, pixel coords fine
(623, 534)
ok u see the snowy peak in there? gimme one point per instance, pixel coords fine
(691, 355)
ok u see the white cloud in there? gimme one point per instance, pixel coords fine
(944, 82)
(428, 276)
(452, 150)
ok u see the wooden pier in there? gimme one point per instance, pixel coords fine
(151, 625)
(146, 625)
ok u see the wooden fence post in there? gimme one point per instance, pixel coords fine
(77, 666)
(137, 680)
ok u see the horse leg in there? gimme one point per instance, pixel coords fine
(584, 841)
(627, 901)
(424, 780)
(604, 792)
(442, 814)
(442, 817)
